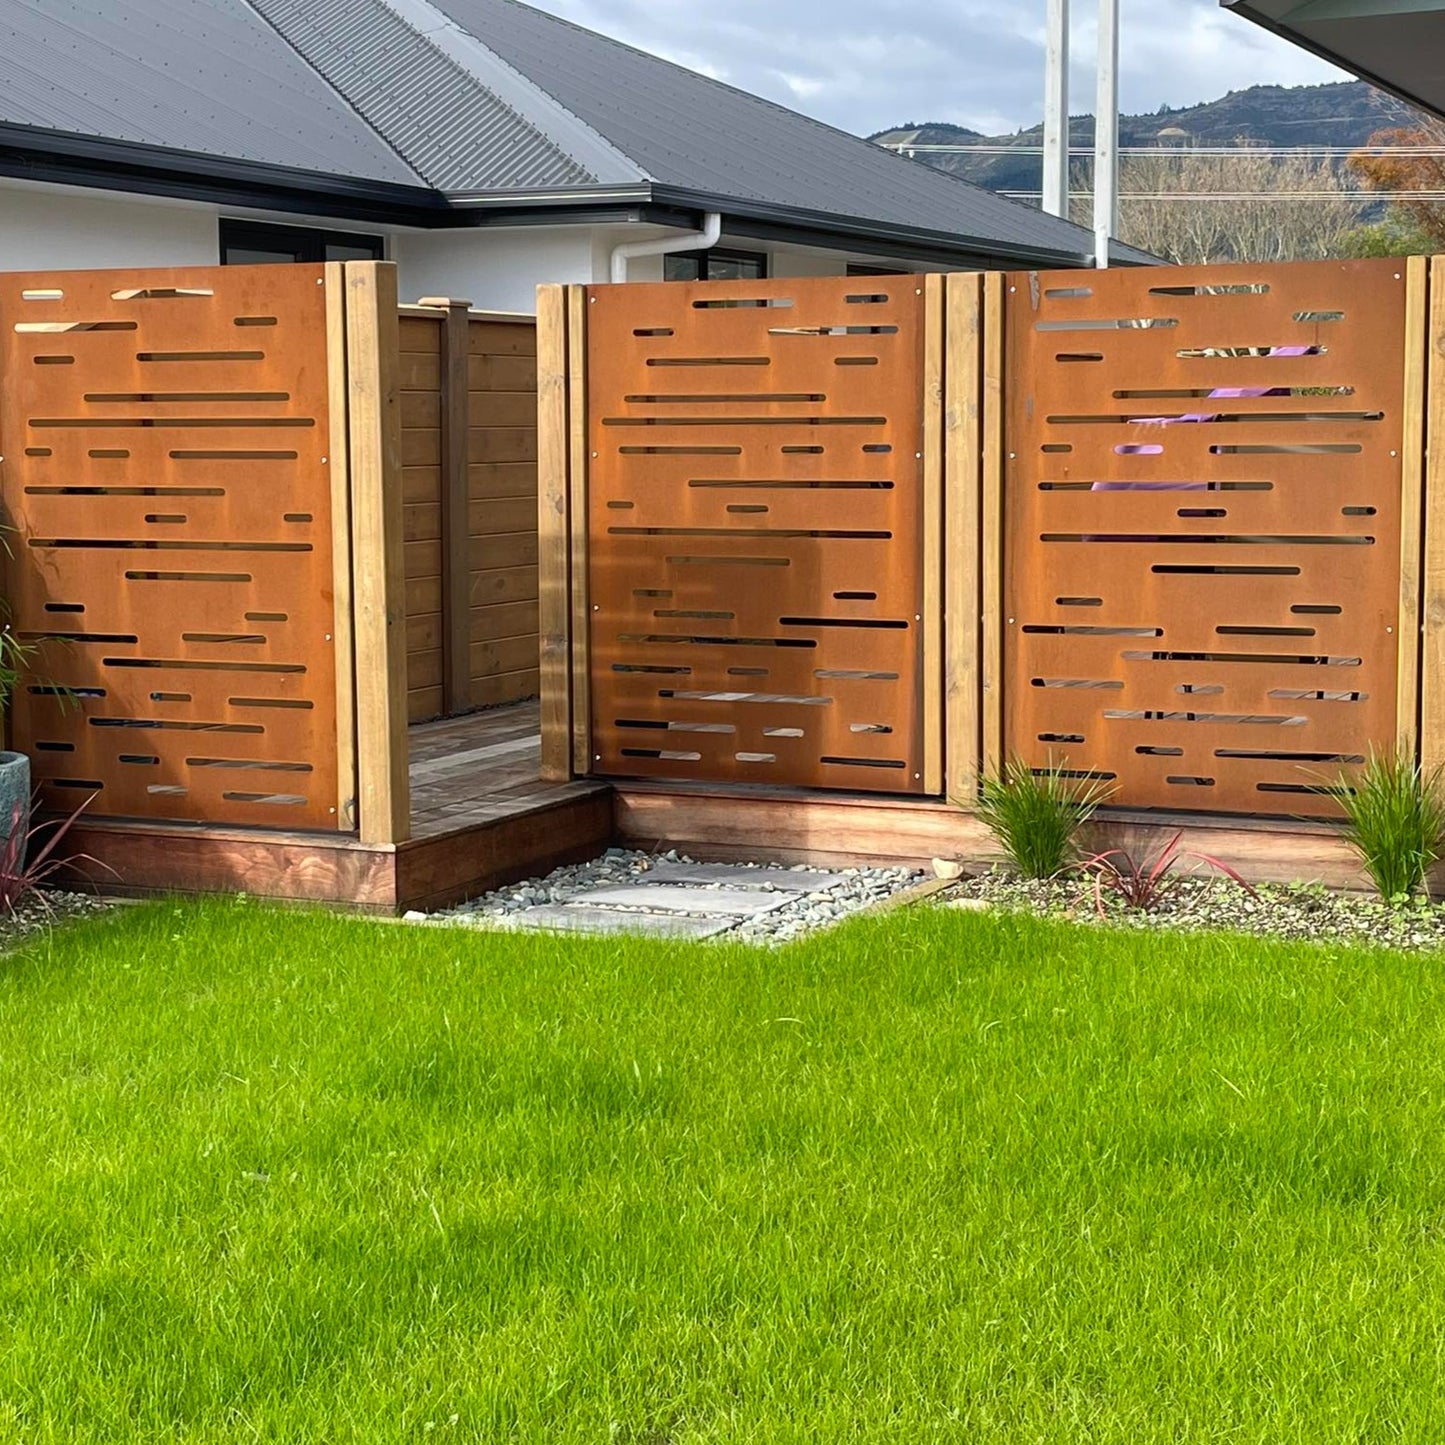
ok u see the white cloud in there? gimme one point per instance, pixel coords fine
(867, 64)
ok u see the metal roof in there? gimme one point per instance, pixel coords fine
(470, 102)
(199, 75)
(454, 132)
(689, 131)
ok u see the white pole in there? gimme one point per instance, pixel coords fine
(1056, 110)
(1106, 133)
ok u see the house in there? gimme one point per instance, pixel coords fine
(1396, 45)
(481, 144)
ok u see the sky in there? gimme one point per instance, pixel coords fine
(867, 65)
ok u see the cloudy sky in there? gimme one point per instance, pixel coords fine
(868, 64)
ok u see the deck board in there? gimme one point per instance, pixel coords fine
(482, 769)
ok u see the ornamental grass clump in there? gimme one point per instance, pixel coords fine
(1395, 821)
(1036, 814)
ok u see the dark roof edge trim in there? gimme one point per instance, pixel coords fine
(882, 236)
(97, 162)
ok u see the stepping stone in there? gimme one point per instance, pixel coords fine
(578, 918)
(679, 898)
(789, 880)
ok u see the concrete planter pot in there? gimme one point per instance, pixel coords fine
(14, 791)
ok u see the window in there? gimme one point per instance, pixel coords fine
(876, 270)
(716, 265)
(252, 243)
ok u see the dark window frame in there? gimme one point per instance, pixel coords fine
(704, 259)
(307, 243)
(864, 270)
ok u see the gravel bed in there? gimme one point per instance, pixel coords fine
(1294, 911)
(861, 888)
(43, 911)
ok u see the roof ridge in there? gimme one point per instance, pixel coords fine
(415, 95)
(581, 143)
(1034, 211)
(335, 89)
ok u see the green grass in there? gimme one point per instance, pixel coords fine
(936, 1177)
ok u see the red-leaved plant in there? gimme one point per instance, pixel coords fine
(26, 863)
(1144, 883)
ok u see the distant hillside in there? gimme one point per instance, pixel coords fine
(1341, 114)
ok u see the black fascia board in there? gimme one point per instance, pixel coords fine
(64, 158)
(876, 237)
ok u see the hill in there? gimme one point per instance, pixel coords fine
(1341, 114)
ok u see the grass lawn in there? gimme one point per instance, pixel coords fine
(291, 1177)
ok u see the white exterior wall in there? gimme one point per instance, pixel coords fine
(50, 227)
(494, 270)
(72, 230)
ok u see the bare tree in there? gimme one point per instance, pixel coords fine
(1248, 206)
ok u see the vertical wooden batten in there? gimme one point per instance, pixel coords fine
(577, 302)
(342, 594)
(991, 541)
(935, 366)
(455, 526)
(554, 534)
(1432, 605)
(963, 440)
(1416, 277)
(378, 574)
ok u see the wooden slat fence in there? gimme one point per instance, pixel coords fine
(469, 417)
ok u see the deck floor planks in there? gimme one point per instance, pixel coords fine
(480, 769)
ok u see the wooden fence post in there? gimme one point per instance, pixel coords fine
(554, 523)
(455, 495)
(379, 571)
(992, 542)
(1416, 271)
(963, 540)
(935, 367)
(581, 593)
(339, 447)
(1432, 597)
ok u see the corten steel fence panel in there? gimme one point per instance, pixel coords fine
(165, 436)
(755, 543)
(1202, 514)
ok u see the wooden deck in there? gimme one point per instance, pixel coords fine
(480, 818)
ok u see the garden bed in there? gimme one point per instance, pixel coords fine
(1299, 911)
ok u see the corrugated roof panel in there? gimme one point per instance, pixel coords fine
(689, 131)
(197, 75)
(457, 133)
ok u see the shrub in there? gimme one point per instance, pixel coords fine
(1395, 820)
(1036, 814)
(28, 857)
(1144, 883)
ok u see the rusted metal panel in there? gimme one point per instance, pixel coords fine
(755, 530)
(164, 436)
(1202, 514)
